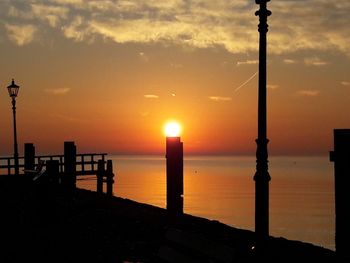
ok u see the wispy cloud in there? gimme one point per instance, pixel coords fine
(217, 98)
(176, 65)
(144, 113)
(21, 34)
(201, 24)
(68, 118)
(143, 57)
(247, 62)
(51, 14)
(272, 86)
(315, 61)
(289, 61)
(151, 96)
(309, 93)
(58, 91)
(345, 83)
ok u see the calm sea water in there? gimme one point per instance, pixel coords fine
(222, 188)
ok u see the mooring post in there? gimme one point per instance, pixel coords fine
(70, 155)
(100, 173)
(110, 175)
(29, 157)
(53, 171)
(341, 158)
(174, 175)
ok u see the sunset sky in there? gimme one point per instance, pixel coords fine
(109, 73)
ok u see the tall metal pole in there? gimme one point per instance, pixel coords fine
(15, 136)
(262, 176)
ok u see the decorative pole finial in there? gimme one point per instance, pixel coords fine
(262, 176)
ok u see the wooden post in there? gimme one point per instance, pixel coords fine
(29, 157)
(99, 174)
(70, 155)
(110, 175)
(341, 158)
(53, 171)
(174, 175)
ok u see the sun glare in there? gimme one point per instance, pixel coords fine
(172, 129)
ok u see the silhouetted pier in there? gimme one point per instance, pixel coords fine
(69, 167)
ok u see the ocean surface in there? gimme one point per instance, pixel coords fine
(222, 188)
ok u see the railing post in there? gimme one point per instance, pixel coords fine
(110, 175)
(9, 166)
(53, 171)
(29, 157)
(82, 164)
(70, 155)
(99, 174)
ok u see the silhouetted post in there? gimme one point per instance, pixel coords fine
(70, 153)
(53, 171)
(29, 157)
(100, 174)
(110, 175)
(174, 175)
(341, 158)
(13, 92)
(262, 176)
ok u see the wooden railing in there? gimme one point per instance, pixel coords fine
(67, 166)
(86, 163)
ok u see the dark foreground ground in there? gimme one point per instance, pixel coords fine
(53, 225)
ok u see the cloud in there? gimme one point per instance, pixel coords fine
(51, 14)
(176, 65)
(289, 61)
(144, 113)
(143, 57)
(150, 96)
(200, 24)
(68, 118)
(309, 93)
(345, 83)
(216, 98)
(247, 62)
(58, 91)
(272, 86)
(77, 30)
(21, 34)
(315, 61)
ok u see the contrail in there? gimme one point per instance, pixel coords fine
(244, 83)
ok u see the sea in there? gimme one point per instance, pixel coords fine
(222, 188)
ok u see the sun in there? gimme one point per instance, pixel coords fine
(172, 129)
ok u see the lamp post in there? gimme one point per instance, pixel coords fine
(262, 176)
(13, 92)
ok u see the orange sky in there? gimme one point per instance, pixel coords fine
(108, 74)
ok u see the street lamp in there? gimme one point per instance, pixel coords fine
(13, 92)
(262, 176)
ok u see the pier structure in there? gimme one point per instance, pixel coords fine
(68, 167)
(262, 176)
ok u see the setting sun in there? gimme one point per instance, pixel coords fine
(172, 129)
